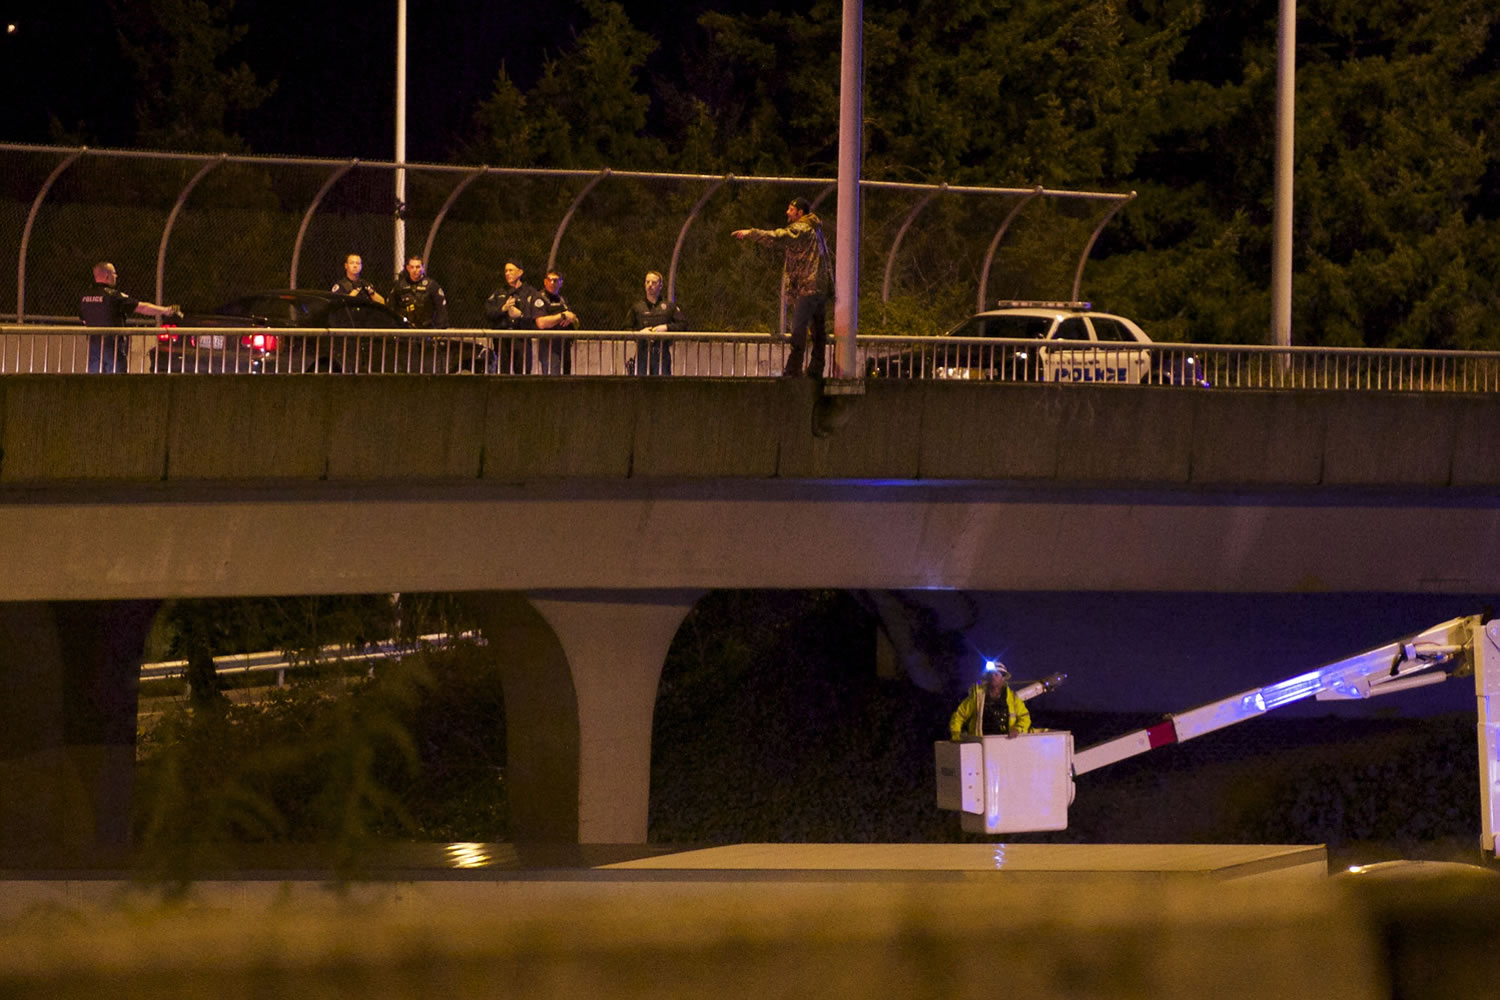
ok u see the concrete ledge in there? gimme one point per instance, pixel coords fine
(84, 427)
(701, 427)
(444, 428)
(276, 435)
(1373, 439)
(543, 428)
(546, 938)
(418, 428)
(1476, 449)
(1253, 438)
(1019, 430)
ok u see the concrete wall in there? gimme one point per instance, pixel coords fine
(1104, 940)
(68, 724)
(221, 485)
(423, 429)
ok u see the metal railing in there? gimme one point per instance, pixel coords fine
(251, 350)
(1246, 366)
(277, 661)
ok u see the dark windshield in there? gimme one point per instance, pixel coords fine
(273, 309)
(1010, 327)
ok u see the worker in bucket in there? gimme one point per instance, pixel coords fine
(992, 708)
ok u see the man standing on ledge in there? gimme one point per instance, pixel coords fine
(106, 305)
(808, 274)
(992, 708)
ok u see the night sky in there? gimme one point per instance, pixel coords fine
(333, 65)
(1147, 652)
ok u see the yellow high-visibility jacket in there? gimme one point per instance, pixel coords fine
(967, 717)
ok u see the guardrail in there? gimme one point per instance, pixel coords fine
(277, 660)
(1245, 366)
(258, 350)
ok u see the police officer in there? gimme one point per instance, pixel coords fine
(105, 305)
(551, 312)
(654, 314)
(352, 284)
(419, 298)
(509, 308)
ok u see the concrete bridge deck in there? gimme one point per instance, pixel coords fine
(221, 485)
(583, 517)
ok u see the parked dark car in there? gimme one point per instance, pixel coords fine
(338, 334)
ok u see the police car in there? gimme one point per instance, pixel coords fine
(1072, 344)
(1077, 344)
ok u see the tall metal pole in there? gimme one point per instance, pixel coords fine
(400, 136)
(1281, 243)
(851, 133)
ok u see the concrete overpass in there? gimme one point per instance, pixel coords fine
(584, 516)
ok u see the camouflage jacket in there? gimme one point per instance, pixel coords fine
(809, 265)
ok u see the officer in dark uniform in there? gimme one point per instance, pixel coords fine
(352, 284)
(419, 298)
(551, 312)
(509, 308)
(654, 314)
(105, 305)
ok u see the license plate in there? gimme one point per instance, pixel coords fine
(214, 342)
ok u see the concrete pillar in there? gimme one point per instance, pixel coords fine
(580, 671)
(70, 674)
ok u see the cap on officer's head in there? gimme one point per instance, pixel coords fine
(996, 667)
(801, 205)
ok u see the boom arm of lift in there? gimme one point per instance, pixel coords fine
(1454, 648)
(1396, 666)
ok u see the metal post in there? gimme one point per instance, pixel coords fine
(671, 290)
(1486, 644)
(308, 216)
(890, 258)
(851, 131)
(400, 135)
(166, 231)
(989, 255)
(1281, 242)
(36, 205)
(1088, 247)
(443, 212)
(562, 226)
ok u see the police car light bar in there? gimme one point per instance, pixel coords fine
(1038, 304)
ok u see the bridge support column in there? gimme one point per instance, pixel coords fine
(580, 671)
(67, 724)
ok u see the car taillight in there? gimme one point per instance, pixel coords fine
(168, 338)
(259, 341)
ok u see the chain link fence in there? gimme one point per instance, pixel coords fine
(198, 230)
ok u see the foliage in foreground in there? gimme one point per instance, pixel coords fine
(415, 751)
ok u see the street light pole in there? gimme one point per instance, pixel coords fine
(851, 131)
(1281, 237)
(400, 136)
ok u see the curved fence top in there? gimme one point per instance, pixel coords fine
(201, 229)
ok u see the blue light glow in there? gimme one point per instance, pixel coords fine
(1292, 689)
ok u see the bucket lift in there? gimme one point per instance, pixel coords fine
(1023, 783)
